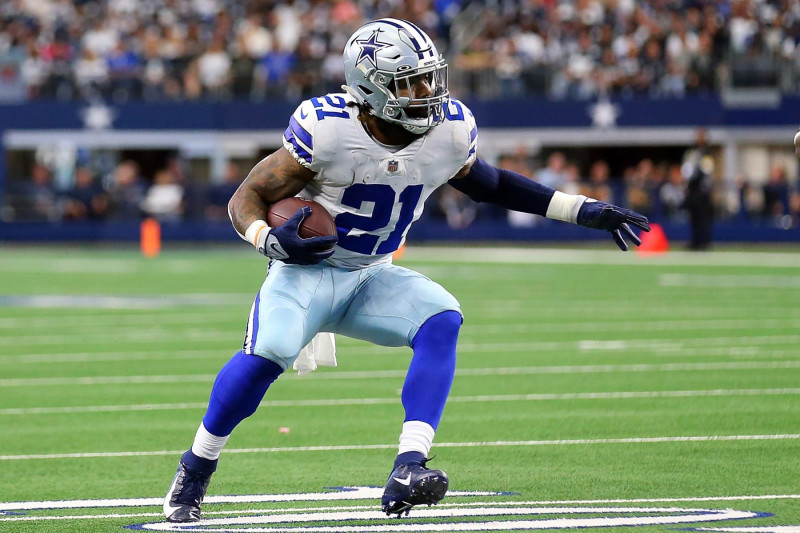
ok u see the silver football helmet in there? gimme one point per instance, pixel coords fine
(393, 67)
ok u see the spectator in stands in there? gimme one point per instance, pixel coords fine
(86, 199)
(124, 70)
(459, 210)
(776, 194)
(751, 200)
(126, 191)
(638, 191)
(697, 169)
(518, 162)
(91, 75)
(558, 48)
(554, 174)
(214, 71)
(598, 186)
(673, 194)
(572, 179)
(794, 209)
(164, 198)
(35, 199)
(219, 194)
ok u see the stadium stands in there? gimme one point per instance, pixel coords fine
(222, 51)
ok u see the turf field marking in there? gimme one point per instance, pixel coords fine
(663, 516)
(378, 374)
(351, 493)
(342, 494)
(118, 320)
(84, 357)
(390, 401)
(356, 447)
(148, 336)
(532, 256)
(124, 326)
(204, 336)
(222, 354)
(121, 302)
(751, 281)
(751, 529)
(636, 325)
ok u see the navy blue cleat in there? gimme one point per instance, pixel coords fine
(185, 496)
(413, 484)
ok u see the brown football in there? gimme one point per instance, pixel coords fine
(319, 223)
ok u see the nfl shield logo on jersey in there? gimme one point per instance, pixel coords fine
(392, 166)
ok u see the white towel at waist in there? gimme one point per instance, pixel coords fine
(320, 351)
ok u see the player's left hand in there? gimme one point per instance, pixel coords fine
(600, 215)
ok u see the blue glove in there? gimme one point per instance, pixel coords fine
(600, 215)
(284, 243)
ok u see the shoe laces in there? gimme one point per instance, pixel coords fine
(191, 486)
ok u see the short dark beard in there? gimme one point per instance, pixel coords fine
(383, 131)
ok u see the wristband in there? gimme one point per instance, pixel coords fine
(565, 207)
(254, 230)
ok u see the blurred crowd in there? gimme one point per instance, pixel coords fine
(171, 194)
(665, 191)
(256, 49)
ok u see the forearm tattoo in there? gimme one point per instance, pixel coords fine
(277, 177)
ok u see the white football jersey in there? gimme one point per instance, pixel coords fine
(373, 193)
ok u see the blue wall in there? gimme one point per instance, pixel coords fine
(530, 112)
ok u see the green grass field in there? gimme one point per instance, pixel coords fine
(597, 388)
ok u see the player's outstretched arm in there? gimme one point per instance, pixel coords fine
(274, 178)
(486, 183)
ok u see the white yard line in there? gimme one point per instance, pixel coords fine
(154, 502)
(357, 447)
(378, 374)
(144, 325)
(732, 281)
(206, 335)
(621, 395)
(118, 320)
(124, 302)
(635, 325)
(492, 255)
(148, 336)
(223, 355)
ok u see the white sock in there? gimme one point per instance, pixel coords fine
(206, 445)
(416, 437)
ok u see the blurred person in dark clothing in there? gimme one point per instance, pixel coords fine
(86, 199)
(673, 194)
(776, 194)
(126, 191)
(219, 194)
(598, 185)
(37, 200)
(697, 168)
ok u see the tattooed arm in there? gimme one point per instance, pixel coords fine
(277, 177)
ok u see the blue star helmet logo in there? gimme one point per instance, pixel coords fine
(369, 47)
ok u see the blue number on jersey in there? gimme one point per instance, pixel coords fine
(336, 102)
(458, 114)
(383, 198)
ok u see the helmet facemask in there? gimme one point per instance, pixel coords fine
(393, 69)
(417, 114)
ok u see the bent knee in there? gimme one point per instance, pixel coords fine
(441, 327)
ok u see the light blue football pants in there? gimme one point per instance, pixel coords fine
(384, 304)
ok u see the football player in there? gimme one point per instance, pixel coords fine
(370, 156)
